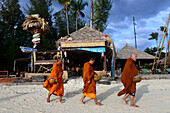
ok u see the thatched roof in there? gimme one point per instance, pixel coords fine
(127, 50)
(87, 34)
(35, 22)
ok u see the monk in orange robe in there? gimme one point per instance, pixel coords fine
(128, 73)
(57, 88)
(89, 83)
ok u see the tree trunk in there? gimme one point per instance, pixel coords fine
(91, 15)
(76, 21)
(67, 20)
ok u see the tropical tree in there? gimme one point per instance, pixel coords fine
(60, 26)
(153, 51)
(77, 7)
(12, 36)
(101, 14)
(154, 36)
(162, 29)
(66, 4)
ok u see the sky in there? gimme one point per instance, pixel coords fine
(149, 16)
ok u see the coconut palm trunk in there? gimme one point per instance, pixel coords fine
(76, 21)
(91, 15)
(67, 20)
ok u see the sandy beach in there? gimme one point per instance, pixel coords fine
(153, 96)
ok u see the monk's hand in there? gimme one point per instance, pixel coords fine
(95, 75)
(89, 81)
(56, 80)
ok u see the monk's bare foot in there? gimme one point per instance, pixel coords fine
(61, 101)
(81, 101)
(133, 105)
(124, 101)
(99, 104)
(48, 100)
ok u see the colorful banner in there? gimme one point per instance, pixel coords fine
(95, 49)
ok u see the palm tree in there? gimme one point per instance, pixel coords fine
(154, 36)
(66, 4)
(77, 7)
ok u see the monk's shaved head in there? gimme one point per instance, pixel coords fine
(134, 56)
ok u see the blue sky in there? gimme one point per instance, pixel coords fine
(149, 15)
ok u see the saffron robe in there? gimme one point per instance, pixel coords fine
(88, 75)
(56, 88)
(128, 73)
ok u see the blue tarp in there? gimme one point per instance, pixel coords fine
(95, 49)
(27, 49)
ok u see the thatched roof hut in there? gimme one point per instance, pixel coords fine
(127, 50)
(86, 35)
(125, 53)
(167, 60)
(86, 43)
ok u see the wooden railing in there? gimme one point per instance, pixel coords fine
(4, 74)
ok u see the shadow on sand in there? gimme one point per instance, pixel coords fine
(11, 97)
(106, 94)
(109, 92)
(74, 93)
(141, 91)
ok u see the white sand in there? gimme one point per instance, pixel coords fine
(153, 96)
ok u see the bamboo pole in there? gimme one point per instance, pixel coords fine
(166, 54)
(160, 43)
(160, 51)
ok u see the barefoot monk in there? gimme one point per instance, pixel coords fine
(128, 73)
(89, 83)
(56, 88)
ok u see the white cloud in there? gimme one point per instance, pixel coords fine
(125, 34)
(142, 43)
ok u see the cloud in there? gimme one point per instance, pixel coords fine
(145, 26)
(138, 8)
(142, 43)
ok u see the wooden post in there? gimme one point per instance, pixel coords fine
(34, 56)
(139, 64)
(104, 63)
(14, 65)
(32, 62)
(62, 59)
(114, 64)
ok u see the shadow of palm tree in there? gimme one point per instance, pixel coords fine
(141, 91)
(109, 92)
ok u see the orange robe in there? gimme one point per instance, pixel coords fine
(88, 74)
(128, 73)
(56, 88)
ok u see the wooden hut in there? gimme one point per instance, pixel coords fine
(125, 53)
(86, 43)
(162, 61)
